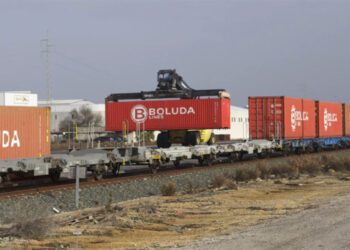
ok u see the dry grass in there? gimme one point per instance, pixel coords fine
(264, 169)
(305, 164)
(168, 189)
(28, 229)
(230, 184)
(338, 163)
(147, 208)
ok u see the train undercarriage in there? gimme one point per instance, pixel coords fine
(100, 163)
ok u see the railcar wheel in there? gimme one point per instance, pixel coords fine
(3, 178)
(308, 149)
(116, 169)
(177, 163)
(232, 157)
(201, 161)
(155, 166)
(154, 169)
(208, 160)
(55, 174)
(99, 171)
(97, 175)
(260, 155)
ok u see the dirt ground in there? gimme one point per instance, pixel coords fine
(174, 221)
(324, 227)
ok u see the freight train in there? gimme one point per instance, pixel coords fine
(186, 117)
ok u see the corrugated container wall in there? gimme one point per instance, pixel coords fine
(329, 119)
(280, 117)
(168, 114)
(24, 132)
(346, 113)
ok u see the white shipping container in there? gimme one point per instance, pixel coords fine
(20, 98)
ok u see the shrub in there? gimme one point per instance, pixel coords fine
(189, 188)
(264, 169)
(218, 181)
(247, 174)
(310, 166)
(168, 189)
(285, 170)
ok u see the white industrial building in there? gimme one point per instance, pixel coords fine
(60, 109)
(18, 98)
(239, 125)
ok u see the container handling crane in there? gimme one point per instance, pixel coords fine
(172, 86)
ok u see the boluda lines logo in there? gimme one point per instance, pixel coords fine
(297, 117)
(140, 113)
(9, 139)
(328, 119)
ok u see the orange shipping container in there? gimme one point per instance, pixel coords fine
(346, 113)
(281, 117)
(24, 132)
(329, 119)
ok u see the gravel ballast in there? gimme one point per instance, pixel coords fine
(99, 195)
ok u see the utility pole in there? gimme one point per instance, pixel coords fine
(77, 186)
(46, 51)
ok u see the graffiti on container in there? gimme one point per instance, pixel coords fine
(9, 139)
(140, 113)
(329, 118)
(297, 117)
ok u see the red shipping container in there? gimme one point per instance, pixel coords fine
(280, 117)
(168, 114)
(346, 119)
(24, 132)
(329, 119)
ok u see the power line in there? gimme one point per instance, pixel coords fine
(102, 72)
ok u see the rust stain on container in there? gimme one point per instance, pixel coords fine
(24, 132)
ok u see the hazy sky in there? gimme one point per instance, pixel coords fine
(295, 48)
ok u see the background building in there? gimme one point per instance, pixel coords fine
(61, 109)
(239, 125)
(18, 98)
